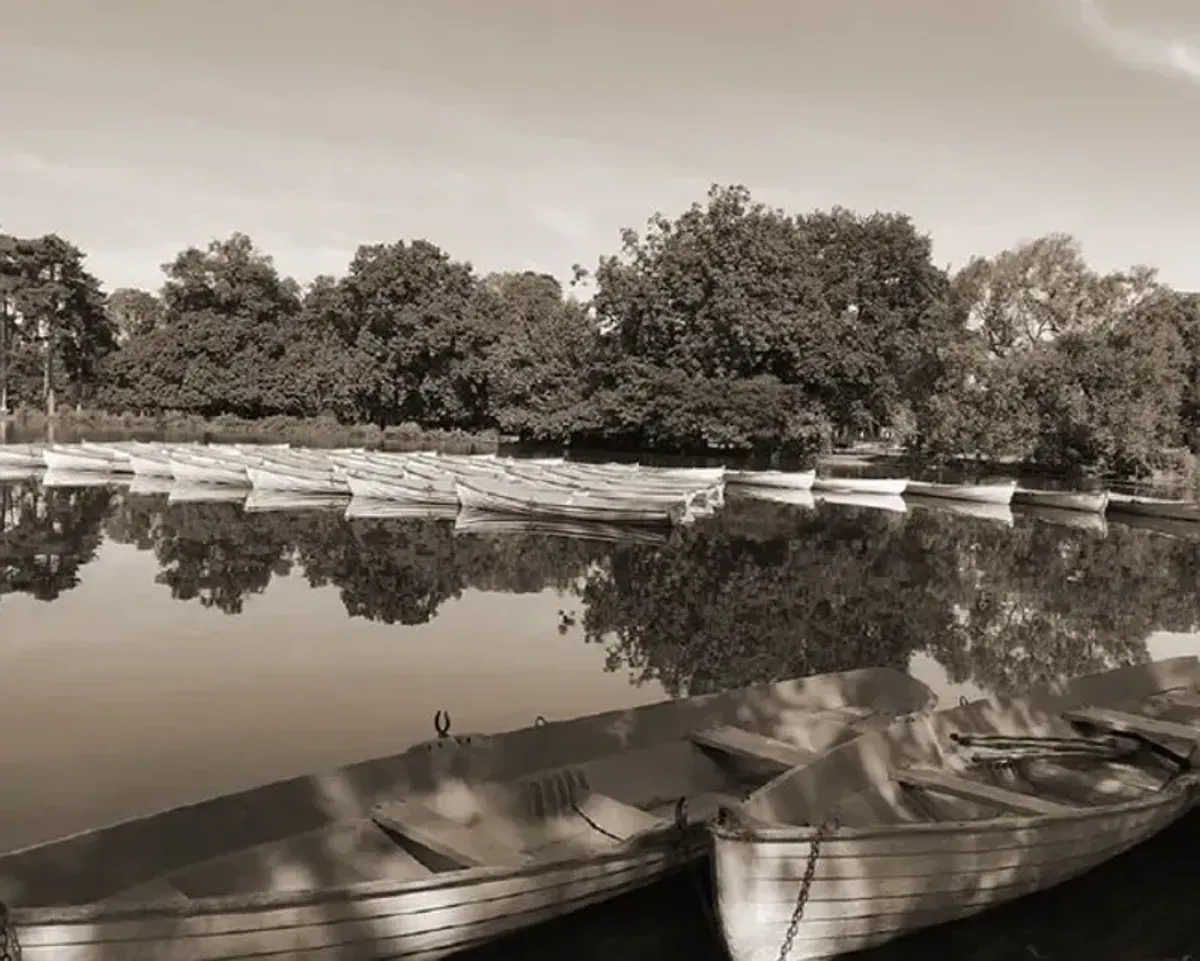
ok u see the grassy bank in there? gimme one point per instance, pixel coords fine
(71, 425)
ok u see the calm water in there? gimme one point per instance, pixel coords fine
(153, 653)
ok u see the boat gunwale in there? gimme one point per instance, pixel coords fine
(653, 843)
(757, 831)
(1053, 699)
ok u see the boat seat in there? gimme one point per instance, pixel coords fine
(567, 793)
(157, 890)
(738, 742)
(1187, 698)
(467, 847)
(945, 783)
(1120, 722)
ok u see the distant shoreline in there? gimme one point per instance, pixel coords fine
(1178, 470)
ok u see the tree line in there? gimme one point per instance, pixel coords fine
(732, 327)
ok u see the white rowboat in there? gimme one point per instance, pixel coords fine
(943, 815)
(447, 846)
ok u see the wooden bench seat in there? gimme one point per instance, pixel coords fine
(1120, 722)
(739, 742)
(955, 786)
(468, 847)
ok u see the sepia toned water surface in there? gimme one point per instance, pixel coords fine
(154, 653)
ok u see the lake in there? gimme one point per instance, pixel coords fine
(153, 653)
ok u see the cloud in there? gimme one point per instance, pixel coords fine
(1171, 56)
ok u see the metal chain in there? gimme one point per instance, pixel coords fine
(810, 871)
(10, 946)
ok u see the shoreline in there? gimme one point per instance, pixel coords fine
(1180, 469)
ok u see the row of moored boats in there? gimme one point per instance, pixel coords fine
(1006, 493)
(551, 487)
(840, 811)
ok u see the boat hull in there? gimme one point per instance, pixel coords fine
(883, 876)
(295, 480)
(870, 890)
(883, 486)
(20, 457)
(204, 472)
(381, 920)
(144, 466)
(299, 869)
(69, 460)
(772, 479)
(528, 500)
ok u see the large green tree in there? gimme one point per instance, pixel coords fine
(835, 307)
(56, 332)
(408, 316)
(227, 318)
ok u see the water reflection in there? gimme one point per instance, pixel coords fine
(762, 590)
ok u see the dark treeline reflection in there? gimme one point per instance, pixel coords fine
(46, 536)
(760, 591)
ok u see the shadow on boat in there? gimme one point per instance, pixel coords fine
(303, 869)
(1138, 907)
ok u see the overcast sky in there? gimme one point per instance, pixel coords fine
(526, 133)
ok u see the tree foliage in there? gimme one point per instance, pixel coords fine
(732, 326)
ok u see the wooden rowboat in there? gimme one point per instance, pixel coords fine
(147, 460)
(1090, 502)
(772, 479)
(999, 493)
(452, 844)
(885, 486)
(21, 456)
(527, 499)
(76, 459)
(227, 469)
(944, 815)
(1175, 510)
(291, 476)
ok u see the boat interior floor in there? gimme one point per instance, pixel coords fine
(601, 806)
(1087, 759)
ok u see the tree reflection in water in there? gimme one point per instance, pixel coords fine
(759, 592)
(47, 536)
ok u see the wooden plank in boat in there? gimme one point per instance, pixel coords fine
(616, 818)
(158, 890)
(962, 787)
(1183, 698)
(464, 846)
(746, 744)
(1121, 722)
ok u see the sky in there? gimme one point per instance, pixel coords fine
(524, 134)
